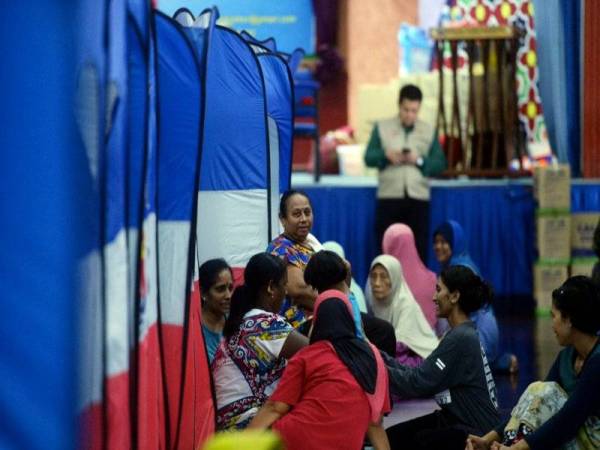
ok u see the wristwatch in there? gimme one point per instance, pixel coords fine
(419, 162)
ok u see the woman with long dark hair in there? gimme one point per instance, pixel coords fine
(257, 343)
(334, 391)
(456, 373)
(564, 410)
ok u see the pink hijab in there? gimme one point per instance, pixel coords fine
(378, 399)
(399, 241)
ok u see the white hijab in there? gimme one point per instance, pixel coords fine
(401, 310)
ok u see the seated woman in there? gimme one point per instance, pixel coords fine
(257, 344)
(355, 289)
(296, 246)
(564, 411)
(390, 299)
(216, 285)
(399, 241)
(334, 391)
(456, 373)
(450, 248)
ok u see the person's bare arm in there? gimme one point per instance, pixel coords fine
(268, 414)
(301, 293)
(378, 437)
(294, 342)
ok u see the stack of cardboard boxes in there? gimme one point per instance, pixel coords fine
(583, 225)
(552, 189)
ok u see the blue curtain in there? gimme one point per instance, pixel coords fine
(557, 25)
(499, 225)
(45, 204)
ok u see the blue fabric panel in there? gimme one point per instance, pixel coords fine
(585, 197)
(46, 201)
(269, 43)
(234, 152)
(139, 11)
(151, 159)
(137, 102)
(279, 106)
(558, 33)
(179, 121)
(571, 19)
(117, 116)
(499, 226)
(347, 215)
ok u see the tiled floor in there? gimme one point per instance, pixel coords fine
(528, 336)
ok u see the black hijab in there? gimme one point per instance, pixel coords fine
(334, 323)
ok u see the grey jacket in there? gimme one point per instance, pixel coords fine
(457, 374)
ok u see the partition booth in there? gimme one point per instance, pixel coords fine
(197, 149)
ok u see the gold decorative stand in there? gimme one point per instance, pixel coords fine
(484, 144)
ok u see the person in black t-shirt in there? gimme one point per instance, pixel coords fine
(456, 373)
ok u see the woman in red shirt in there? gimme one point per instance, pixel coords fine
(335, 391)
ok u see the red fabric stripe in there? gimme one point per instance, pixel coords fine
(118, 417)
(90, 428)
(150, 409)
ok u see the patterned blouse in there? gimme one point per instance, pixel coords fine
(297, 255)
(290, 251)
(247, 367)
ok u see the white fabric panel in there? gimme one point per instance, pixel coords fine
(149, 303)
(133, 252)
(173, 245)
(203, 20)
(89, 285)
(232, 225)
(274, 175)
(184, 18)
(116, 280)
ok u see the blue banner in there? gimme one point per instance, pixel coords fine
(290, 22)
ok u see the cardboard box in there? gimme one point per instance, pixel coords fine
(546, 278)
(583, 226)
(552, 186)
(554, 236)
(583, 266)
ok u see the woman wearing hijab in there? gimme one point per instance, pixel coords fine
(399, 241)
(450, 248)
(390, 298)
(334, 391)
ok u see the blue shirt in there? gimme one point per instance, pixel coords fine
(212, 341)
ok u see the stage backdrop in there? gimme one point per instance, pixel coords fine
(498, 218)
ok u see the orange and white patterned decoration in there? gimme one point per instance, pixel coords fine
(517, 13)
